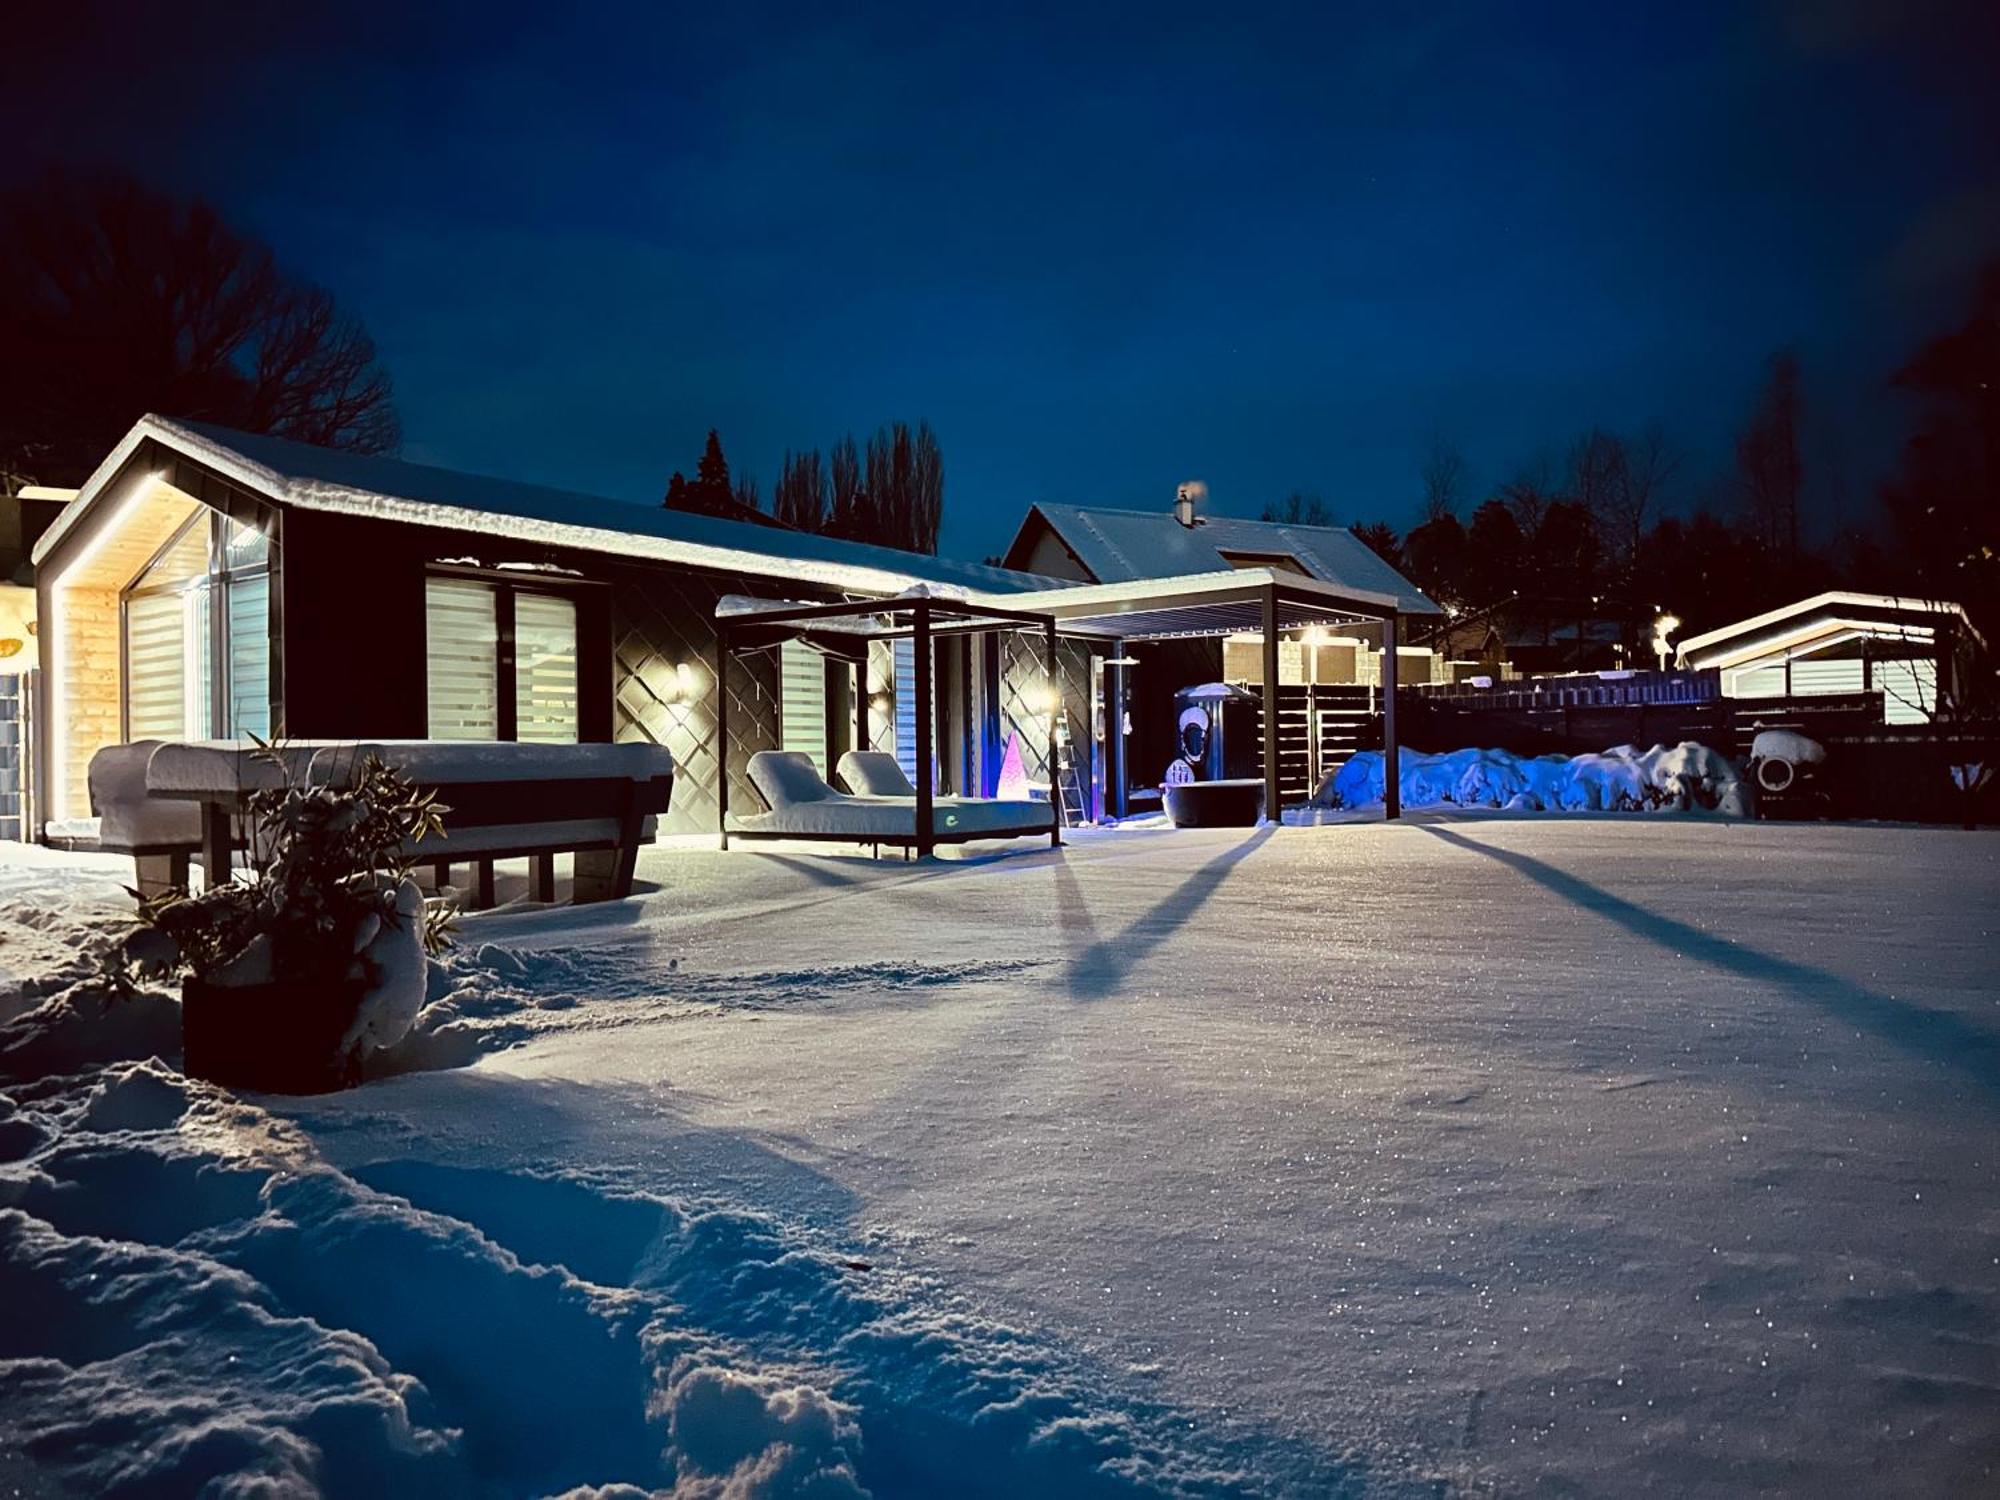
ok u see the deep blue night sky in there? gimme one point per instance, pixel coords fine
(1273, 250)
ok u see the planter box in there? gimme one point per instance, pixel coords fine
(274, 1038)
(1215, 804)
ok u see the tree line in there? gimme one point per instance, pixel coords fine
(1601, 523)
(889, 492)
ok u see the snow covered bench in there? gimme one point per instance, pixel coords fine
(160, 836)
(802, 806)
(506, 801)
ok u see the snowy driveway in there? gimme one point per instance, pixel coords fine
(1559, 1155)
(1594, 1153)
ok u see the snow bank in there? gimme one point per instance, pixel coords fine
(1686, 776)
(194, 1299)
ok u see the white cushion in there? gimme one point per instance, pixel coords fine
(787, 778)
(865, 818)
(874, 773)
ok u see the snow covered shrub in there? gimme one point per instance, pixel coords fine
(1624, 778)
(330, 902)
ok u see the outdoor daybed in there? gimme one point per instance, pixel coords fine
(802, 806)
(505, 799)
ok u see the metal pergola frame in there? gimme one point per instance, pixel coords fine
(927, 619)
(1209, 605)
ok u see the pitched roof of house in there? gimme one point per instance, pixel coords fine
(1121, 545)
(328, 479)
(1887, 614)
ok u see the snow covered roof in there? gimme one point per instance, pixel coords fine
(1889, 615)
(1122, 545)
(326, 479)
(1218, 602)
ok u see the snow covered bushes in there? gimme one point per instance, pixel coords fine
(1687, 776)
(323, 950)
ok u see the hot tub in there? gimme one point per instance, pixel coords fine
(1215, 804)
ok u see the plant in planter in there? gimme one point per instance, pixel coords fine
(296, 973)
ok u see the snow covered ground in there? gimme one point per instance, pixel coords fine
(1475, 1153)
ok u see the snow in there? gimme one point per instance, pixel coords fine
(1787, 745)
(194, 766)
(1465, 1154)
(1686, 776)
(128, 818)
(801, 803)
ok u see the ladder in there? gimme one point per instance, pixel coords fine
(1068, 782)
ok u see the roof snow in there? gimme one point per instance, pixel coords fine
(327, 479)
(1119, 546)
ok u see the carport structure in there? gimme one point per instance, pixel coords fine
(1268, 601)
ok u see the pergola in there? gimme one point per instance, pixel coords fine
(846, 630)
(1265, 600)
(1191, 606)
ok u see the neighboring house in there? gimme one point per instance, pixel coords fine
(1095, 544)
(1529, 634)
(1840, 642)
(206, 583)
(1099, 545)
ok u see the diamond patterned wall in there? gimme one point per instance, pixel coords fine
(1021, 681)
(659, 621)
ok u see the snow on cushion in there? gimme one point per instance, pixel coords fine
(449, 762)
(874, 773)
(866, 818)
(787, 778)
(189, 767)
(127, 817)
(182, 768)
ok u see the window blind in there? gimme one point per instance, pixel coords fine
(250, 656)
(462, 659)
(802, 694)
(545, 695)
(156, 649)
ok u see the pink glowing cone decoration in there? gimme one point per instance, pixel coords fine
(1013, 780)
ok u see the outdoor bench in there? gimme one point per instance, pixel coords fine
(505, 800)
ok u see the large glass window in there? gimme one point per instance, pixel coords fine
(501, 662)
(197, 625)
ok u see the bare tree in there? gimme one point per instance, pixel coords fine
(927, 491)
(1620, 482)
(800, 500)
(1299, 509)
(1443, 474)
(1530, 493)
(116, 301)
(848, 502)
(1770, 474)
(1651, 464)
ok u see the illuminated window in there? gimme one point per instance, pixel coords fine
(500, 662)
(197, 635)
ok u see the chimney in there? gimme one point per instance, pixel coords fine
(1185, 500)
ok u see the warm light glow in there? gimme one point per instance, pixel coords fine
(58, 804)
(686, 685)
(1663, 629)
(1042, 700)
(1315, 635)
